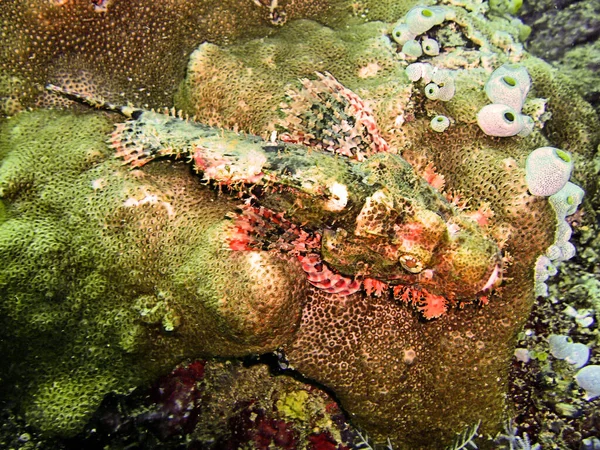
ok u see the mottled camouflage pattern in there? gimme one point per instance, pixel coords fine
(377, 218)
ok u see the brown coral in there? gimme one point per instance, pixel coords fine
(137, 48)
(356, 344)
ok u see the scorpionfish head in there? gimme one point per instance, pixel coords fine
(400, 240)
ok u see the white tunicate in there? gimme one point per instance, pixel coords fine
(414, 71)
(440, 123)
(547, 170)
(576, 354)
(588, 379)
(566, 201)
(567, 250)
(421, 19)
(430, 47)
(499, 120)
(431, 91)
(528, 125)
(509, 85)
(401, 34)
(412, 48)
(428, 71)
(446, 92)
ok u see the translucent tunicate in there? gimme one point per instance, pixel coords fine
(432, 91)
(401, 34)
(553, 252)
(528, 125)
(547, 170)
(412, 48)
(566, 201)
(446, 92)
(440, 123)
(509, 85)
(563, 231)
(444, 78)
(567, 250)
(544, 268)
(421, 19)
(430, 47)
(588, 379)
(414, 71)
(499, 120)
(427, 74)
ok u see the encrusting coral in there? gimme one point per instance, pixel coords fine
(122, 310)
(110, 276)
(137, 48)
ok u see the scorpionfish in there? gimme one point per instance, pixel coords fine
(330, 192)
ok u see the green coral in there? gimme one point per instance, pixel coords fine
(134, 47)
(91, 281)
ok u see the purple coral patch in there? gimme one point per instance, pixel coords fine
(252, 424)
(177, 397)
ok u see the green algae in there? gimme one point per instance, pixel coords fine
(293, 405)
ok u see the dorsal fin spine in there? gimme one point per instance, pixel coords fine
(128, 110)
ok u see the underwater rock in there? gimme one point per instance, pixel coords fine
(558, 27)
(566, 33)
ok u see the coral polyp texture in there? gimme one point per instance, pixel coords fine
(391, 263)
(149, 273)
(135, 47)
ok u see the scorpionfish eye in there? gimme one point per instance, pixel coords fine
(411, 264)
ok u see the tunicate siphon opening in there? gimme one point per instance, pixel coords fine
(563, 155)
(510, 81)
